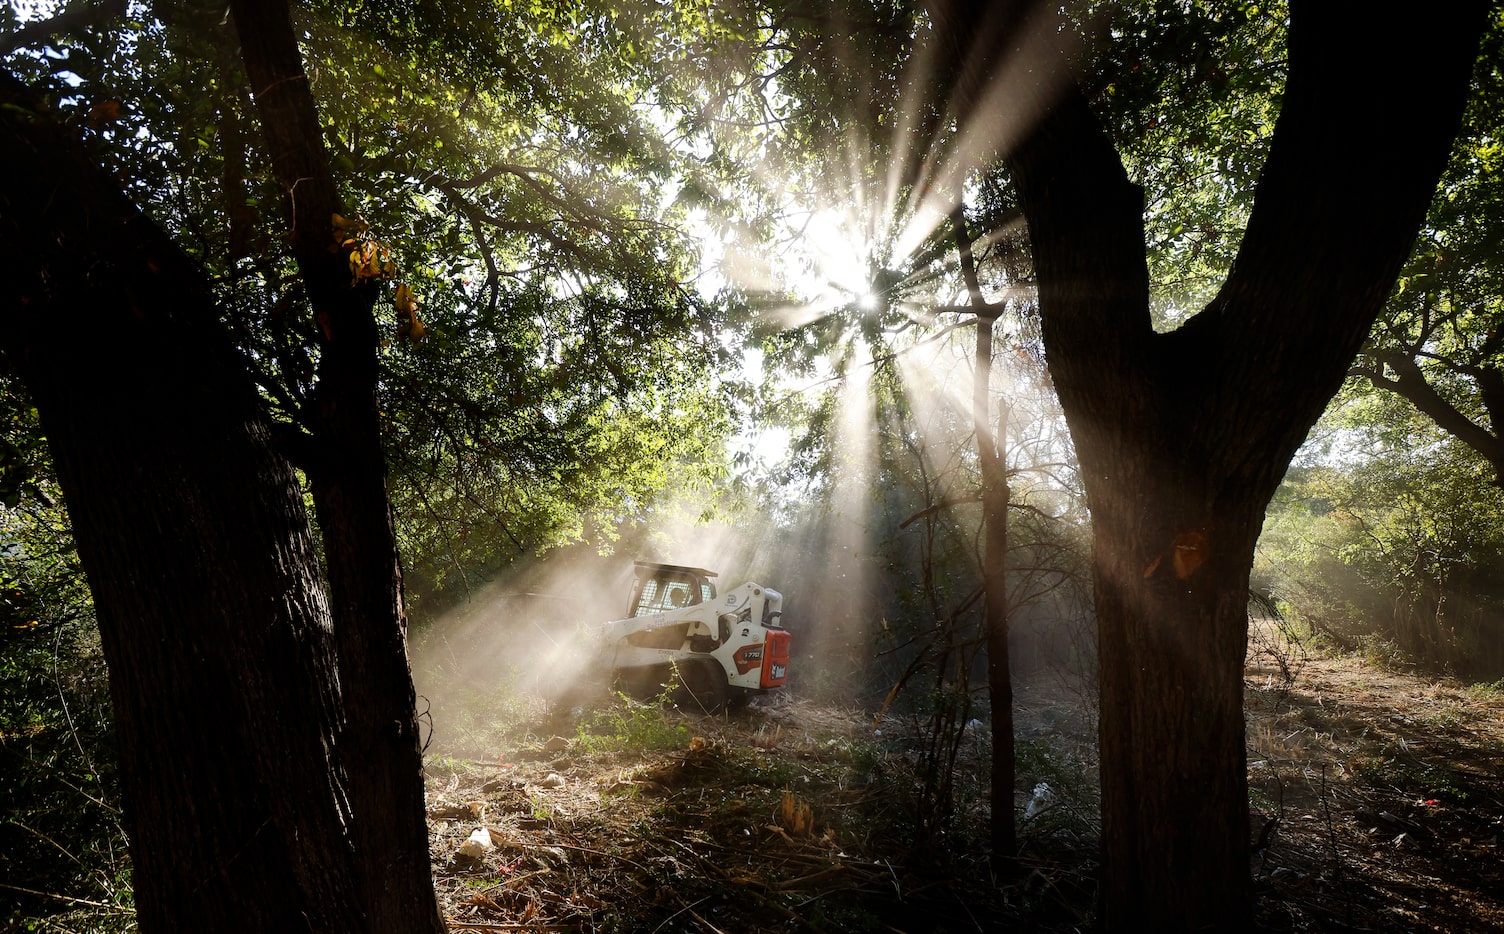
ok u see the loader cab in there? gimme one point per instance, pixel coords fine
(661, 588)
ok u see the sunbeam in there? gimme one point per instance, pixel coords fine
(1008, 103)
(854, 247)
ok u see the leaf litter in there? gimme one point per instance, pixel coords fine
(1376, 804)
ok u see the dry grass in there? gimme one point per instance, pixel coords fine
(787, 817)
(1379, 791)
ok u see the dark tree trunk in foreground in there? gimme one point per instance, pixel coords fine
(198, 552)
(995, 495)
(347, 472)
(269, 746)
(1183, 437)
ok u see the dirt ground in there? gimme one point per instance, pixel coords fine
(1376, 805)
(1389, 793)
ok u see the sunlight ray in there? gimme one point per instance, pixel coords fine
(938, 379)
(919, 71)
(797, 315)
(1015, 97)
(855, 472)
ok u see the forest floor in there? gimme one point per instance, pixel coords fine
(1376, 794)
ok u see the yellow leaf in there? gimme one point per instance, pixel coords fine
(409, 325)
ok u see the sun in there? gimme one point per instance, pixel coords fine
(839, 265)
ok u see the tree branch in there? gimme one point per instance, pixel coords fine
(1409, 382)
(38, 32)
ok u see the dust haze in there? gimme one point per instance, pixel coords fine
(520, 646)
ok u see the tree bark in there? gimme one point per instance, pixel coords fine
(1183, 437)
(995, 495)
(348, 478)
(197, 549)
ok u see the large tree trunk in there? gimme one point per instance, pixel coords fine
(348, 479)
(1183, 437)
(198, 552)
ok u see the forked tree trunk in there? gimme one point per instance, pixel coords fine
(198, 553)
(1183, 437)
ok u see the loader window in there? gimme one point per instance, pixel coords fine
(647, 599)
(661, 594)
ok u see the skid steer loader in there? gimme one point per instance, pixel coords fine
(713, 649)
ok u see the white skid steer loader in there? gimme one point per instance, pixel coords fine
(713, 649)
